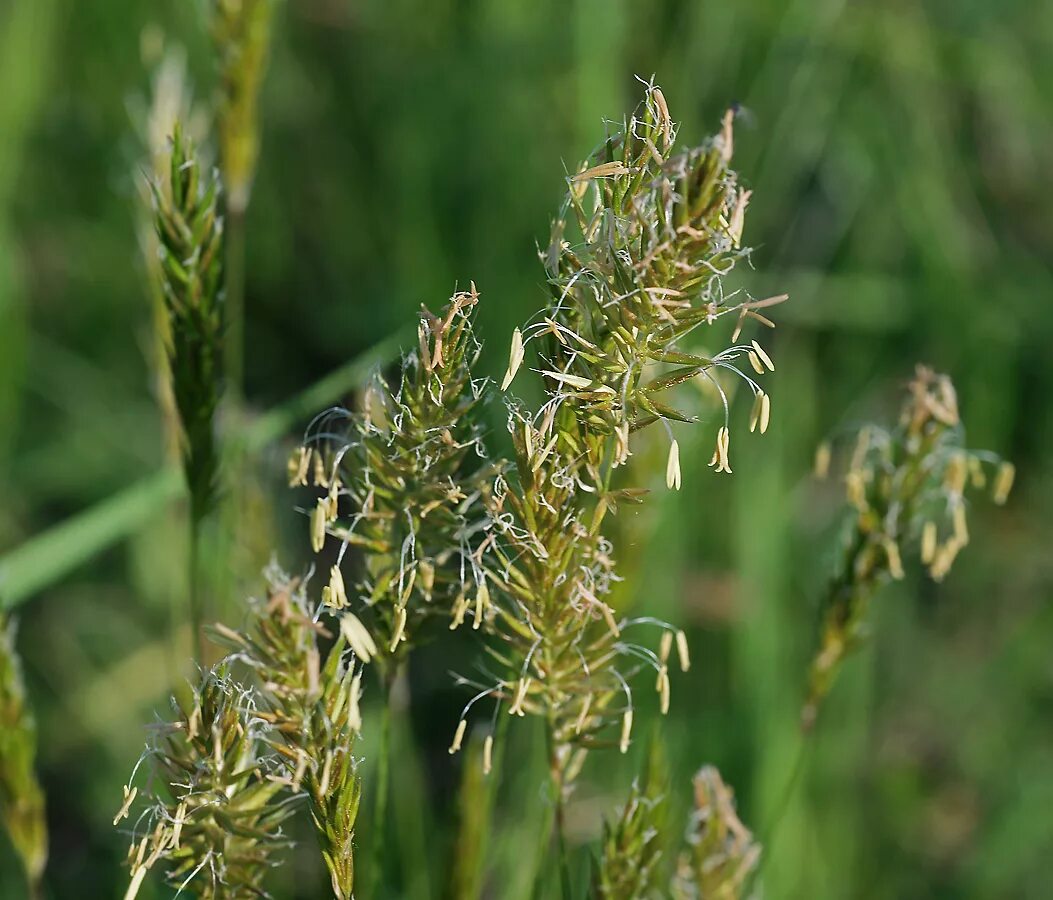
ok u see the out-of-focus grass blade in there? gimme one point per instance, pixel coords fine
(25, 33)
(473, 815)
(413, 816)
(49, 556)
(44, 559)
(767, 677)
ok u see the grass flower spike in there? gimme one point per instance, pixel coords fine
(170, 103)
(632, 856)
(409, 471)
(721, 852)
(190, 231)
(215, 826)
(245, 750)
(310, 699)
(190, 234)
(635, 267)
(907, 490)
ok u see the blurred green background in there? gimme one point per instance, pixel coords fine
(900, 155)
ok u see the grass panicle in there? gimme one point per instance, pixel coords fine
(170, 102)
(717, 862)
(310, 698)
(190, 231)
(403, 481)
(635, 266)
(21, 797)
(274, 724)
(215, 825)
(721, 852)
(632, 856)
(906, 488)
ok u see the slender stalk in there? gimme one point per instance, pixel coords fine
(241, 33)
(380, 808)
(234, 374)
(806, 741)
(782, 805)
(195, 578)
(476, 828)
(544, 849)
(559, 812)
(494, 779)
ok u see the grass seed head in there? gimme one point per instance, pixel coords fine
(721, 852)
(904, 484)
(213, 823)
(632, 855)
(635, 267)
(411, 470)
(189, 230)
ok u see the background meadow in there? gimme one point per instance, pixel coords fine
(899, 155)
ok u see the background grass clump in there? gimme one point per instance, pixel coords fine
(897, 157)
